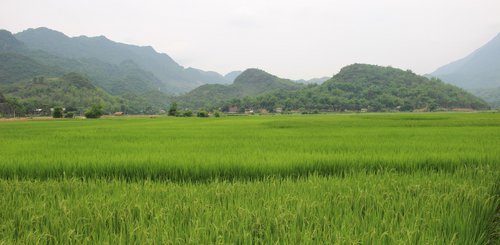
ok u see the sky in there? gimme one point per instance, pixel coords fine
(296, 39)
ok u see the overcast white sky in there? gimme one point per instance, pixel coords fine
(290, 38)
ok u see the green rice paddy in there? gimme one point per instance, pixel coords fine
(289, 179)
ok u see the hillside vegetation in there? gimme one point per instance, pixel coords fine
(72, 91)
(251, 82)
(35, 79)
(356, 87)
(140, 81)
(94, 50)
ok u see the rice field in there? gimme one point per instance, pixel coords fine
(288, 179)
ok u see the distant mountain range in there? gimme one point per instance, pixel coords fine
(43, 68)
(319, 80)
(164, 72)
(478, 72)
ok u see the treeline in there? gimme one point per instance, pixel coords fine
(75, 93)
(363, 87)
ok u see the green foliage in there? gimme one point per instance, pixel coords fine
(384, 208)
(11, 107)
(69, 115)
(184, 113)
(94, 112)
(118, 68)
(71, 91)
(370, 87)
(15, 67)
(217, 113)
(202, 113)
(58, 112)
(284, 145)
(251, 82)
(172, 111)
(366, 178)
(491, 95)
(187, 113)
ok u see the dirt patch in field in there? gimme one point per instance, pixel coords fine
(22, 119)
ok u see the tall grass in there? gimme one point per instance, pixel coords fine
(333, 179)
(192, 149)
(393, 208)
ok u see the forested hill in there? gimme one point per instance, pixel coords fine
(251, 82)
(135, 90)
(71, 90)
(359, 87)
(171, 76)
(386, 88)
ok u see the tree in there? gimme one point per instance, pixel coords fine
(94, 112)
(149, 110)
(58, 112)
(202, 113)
(14, 105)
(172, 111)
(432, 106)
(188, 113)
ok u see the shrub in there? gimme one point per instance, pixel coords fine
(172, 111)
(58, 112)
(94, 112)
(69, 115)
(217, 114)
(188, 113)
(202, 113)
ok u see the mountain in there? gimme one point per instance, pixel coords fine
(480, 69)
(386, 88)
(15, 67)
(254, 81)
(251, 82)
(356, 87)
(319, 80)
(19, 63)
(173, 77)
(138, 90)
(8, 41)
(232, 75)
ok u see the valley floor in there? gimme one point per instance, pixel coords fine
(301, 179)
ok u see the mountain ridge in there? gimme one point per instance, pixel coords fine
(250, 82)
(175, 77)
(479, 69)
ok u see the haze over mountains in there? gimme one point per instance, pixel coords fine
(480, 69)
(171, 76)
(478, 72)
(38, 65)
